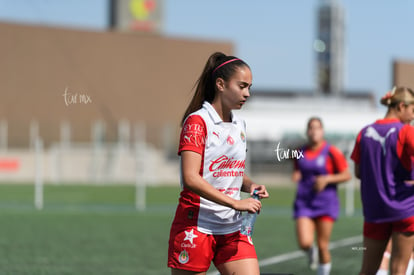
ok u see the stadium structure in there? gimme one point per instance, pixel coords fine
(89, 96)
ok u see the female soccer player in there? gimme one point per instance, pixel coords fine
(383, 156)
(316, 206)
(212, 147)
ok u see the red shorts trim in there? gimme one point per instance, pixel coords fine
(319, 218)
(189, 249)
(325, 218)
(383, 231)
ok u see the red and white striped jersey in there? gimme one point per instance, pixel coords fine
(223, 149)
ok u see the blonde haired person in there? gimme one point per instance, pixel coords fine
(383, 156)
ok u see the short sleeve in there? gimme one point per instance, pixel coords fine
(356, 152)
(407, 138)
(193, 135)
(338, 159)
(405, 146)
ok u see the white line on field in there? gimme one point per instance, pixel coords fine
(299, 253)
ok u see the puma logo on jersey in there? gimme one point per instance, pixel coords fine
(197, 140)
(187, 138)
(372, 133)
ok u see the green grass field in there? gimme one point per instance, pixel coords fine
(90, 229)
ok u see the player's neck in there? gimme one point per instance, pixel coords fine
(223, 112)
(316, 145)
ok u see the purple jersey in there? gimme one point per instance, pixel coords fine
(385, 196)
(308, 202)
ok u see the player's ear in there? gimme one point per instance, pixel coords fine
(220, 84)
(401, 105)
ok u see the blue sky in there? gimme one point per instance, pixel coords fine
(274, 36)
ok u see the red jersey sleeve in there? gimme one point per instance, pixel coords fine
(338, 161)
(355, 156)
(193, 135)
(407, 139)
(405, 146)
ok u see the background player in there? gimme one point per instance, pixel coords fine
(316, 205)
(383, 161)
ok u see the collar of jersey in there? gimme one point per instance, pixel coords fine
(387, 120)
(213, 114)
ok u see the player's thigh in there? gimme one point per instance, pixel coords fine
(240, 267)
(324, 230)
(305, 231)
(372, 257)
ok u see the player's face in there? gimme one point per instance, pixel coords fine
(407, 113)
(237, 88)
(315, 131)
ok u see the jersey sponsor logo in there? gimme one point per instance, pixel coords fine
(193, 134)
(190, 236)
(373, 134)
(229, 191)
(193, 128)
(188, 245)
(222, 173)
(216, 134)
(224, 162)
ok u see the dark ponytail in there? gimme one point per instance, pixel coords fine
(216, 67)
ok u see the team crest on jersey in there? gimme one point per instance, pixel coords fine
(230, 140)
(243, 136)
(183, 258)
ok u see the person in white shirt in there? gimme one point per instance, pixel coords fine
(207, 222)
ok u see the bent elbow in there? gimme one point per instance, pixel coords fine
(190, 180)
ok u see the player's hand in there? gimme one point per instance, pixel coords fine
(410, 182)
(320, 183)
(251, 205)
(261, 191)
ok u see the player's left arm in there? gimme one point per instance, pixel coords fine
(249, 186)
(341, 172)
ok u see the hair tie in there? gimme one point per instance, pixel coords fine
(389, 95)
(224, 63)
